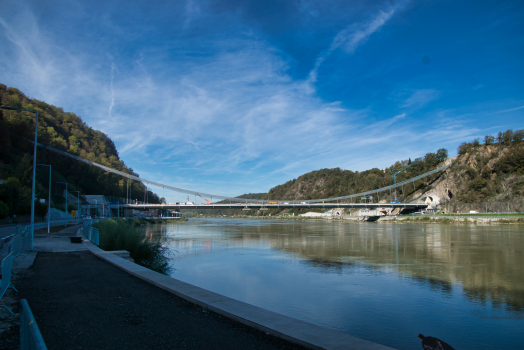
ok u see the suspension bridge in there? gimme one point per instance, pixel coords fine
(220, 202)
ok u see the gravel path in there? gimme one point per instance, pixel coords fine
(82, 302)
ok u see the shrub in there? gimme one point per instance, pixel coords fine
(4, 210)
(512, 162)
(478, 184)
(464, 148)
(119, 234)
(471, 173)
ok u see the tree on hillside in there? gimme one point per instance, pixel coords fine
(488, 140)
(66, 132)
(4, 210)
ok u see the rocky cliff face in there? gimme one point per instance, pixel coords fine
(486, 178)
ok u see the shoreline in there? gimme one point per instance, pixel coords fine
(503, 219)
(295, 331)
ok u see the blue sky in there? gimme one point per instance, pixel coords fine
(230, 97)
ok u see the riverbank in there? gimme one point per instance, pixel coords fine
(161, 220)
(438, 219)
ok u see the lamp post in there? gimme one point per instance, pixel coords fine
(65, 211)
(77, 203)
(34, 173)
(398, 172)
(48, 201)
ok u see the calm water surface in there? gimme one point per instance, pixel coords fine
(382, 282)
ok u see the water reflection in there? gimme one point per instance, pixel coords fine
(355, 277)
(485, 260)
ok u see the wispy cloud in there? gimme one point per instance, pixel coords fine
(192, 10)
(195, 111)
(112, 90)
(420, 98)
(509, 110)
(353, 36)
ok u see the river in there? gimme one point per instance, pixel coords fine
(381, 282)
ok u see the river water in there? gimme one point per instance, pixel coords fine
(384, 282)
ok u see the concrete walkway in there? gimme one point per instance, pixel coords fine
(271, 323)
(290, 329)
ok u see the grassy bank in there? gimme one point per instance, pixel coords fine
(120, 234)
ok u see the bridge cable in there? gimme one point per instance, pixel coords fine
(240, 199)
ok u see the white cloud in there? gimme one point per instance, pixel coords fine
(192, 10)
(420, 98)
(226, 114)
(509, 110)
(112, 90)
(354, 35)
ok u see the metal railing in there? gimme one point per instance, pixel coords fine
(91, 233)
(30, 336)
(44, 224)
(17, 245)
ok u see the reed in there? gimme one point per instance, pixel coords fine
(120, 234)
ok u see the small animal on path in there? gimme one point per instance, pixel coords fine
(432, 343)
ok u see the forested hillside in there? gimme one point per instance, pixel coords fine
(485, 174)
(336, 182)
(64, 131)
(326, 183)
(491, 170)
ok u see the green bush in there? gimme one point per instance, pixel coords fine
(119, 234)
(4, 210)
(478, 184)
(512, 162)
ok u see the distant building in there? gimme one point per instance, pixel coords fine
(98, 205)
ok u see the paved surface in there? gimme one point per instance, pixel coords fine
(82, 302)
(57, 240)
(296, 331)
(84, 297)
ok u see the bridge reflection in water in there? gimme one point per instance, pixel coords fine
(363, 278)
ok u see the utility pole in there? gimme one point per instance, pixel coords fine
(48, 201)
(65, 224)
(77, 203)
(398, 172)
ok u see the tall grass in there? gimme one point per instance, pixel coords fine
(120, 234)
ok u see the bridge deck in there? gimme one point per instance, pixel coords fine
(279, 205)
